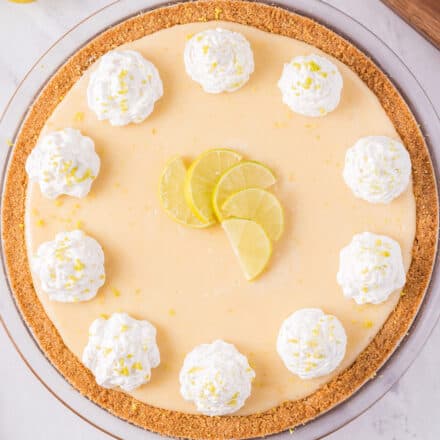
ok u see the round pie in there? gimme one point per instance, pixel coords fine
(189, 116)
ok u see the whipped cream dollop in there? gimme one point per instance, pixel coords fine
(217, 378)
(219, 60)
(63, 162)
(121, 351)
(71, 267)
(311, 343)
(124, 87)
(311, 85)
(377, 169)
(371, 268)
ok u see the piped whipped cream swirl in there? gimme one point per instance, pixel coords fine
(311, 85)
(371, 268)
(377, 169)
(219, 60)
(124, 87)
(217, 378)
(63, 162)
(311, 343)
(121, 351)
(71, 267)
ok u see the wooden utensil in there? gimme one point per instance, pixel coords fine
(423, 15)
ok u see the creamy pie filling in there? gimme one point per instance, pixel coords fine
(187, 283)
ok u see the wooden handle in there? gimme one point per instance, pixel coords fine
(424, 15)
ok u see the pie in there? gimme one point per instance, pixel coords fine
(336, 264)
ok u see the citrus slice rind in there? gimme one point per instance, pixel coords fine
(259, 205)
(250, 244)
(201, 178)
(171, 194)
(247, 174)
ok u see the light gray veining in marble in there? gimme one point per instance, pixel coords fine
(411, 410)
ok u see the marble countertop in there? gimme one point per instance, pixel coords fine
(409, 411)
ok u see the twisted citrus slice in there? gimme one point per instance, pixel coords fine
(241, 176)
(259, 205)
(171, 194)
(202, 177)
(250, 244)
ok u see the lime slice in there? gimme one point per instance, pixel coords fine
(241, 176)
(259, 205)
(171, 194)
(250, 244)
(202, 177)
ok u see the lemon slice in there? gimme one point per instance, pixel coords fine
(171, 194)
(250, 244)
(202, 177)
(244, 175)
(259, 205)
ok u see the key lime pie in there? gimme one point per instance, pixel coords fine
(219, 220)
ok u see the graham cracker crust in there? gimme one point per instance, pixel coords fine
(288, 414)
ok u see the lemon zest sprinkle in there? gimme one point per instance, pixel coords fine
(368, 324)
(137, 366)
(233, 400)
(78, 117)
(307, 83)
(313, 66)
(124, 371)
(79, 265)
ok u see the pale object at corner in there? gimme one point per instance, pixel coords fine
(408, 411)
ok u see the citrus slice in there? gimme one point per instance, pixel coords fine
(244, 175)
(202, 177)
(171, 194)
(259, 205)
(250, 244)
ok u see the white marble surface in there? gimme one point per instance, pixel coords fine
(28, 411)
